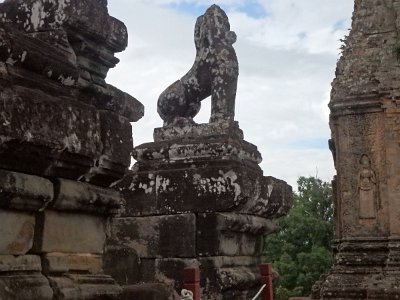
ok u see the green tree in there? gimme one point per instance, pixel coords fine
(301, 251)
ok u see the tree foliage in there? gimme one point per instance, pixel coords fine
(300, 252)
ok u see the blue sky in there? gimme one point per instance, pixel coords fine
(251, 8)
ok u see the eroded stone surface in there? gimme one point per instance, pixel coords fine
(364, 122)
(78, 196)
(221, 173)
(16, 232)
(25, 287)
(20, 263)
(59, 263)
(229, 234)
(54, 55)
(24, 192)
(60, 122)
(82, 286)
(70, 233)
(156, 236)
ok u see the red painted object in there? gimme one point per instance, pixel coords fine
(191, 281)
(266, 278)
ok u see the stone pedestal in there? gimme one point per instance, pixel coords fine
(197, 197)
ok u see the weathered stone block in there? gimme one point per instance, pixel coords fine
(191, 150)
(102, 287)
(122, 263)
(71, 233)
(64, 287)
(78, 196)
(157, 236)
(223, 128)
(202, 189)
(230, 277)
(25, 192)
(148, 291)
(25, 287)
(166, 270)
(229, 234)
(138, 193)
(227, 186)
(117, 144)
(222, 175)
(91, 15)
(85, 287)
(20, 263)
(123, 104)
(65, 146)
(58, 263)
(16, 232)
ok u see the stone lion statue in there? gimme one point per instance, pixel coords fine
(214, 73)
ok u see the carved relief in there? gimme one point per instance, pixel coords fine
(367, 189)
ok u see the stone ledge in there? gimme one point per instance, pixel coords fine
(59, 263)
(25, 287)
(24, 192)
(195, 131)
(85, 287)
(21, 263)
(78, 196)
(229, 234)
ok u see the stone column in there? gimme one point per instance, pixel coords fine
(65, 136)
(365, 124)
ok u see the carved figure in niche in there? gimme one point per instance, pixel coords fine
(214, 72)
(367, 189)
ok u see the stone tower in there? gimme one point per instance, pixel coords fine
(365, 124)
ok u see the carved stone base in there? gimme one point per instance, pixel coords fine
(196, 198)
(85, 287)
(20, 278)
(61, 225)
(364, 269)
(149, 291)
(215, 173)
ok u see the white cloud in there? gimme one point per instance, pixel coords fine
(287, 61)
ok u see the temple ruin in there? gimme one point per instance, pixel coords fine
(364, 120)
(75, 222)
